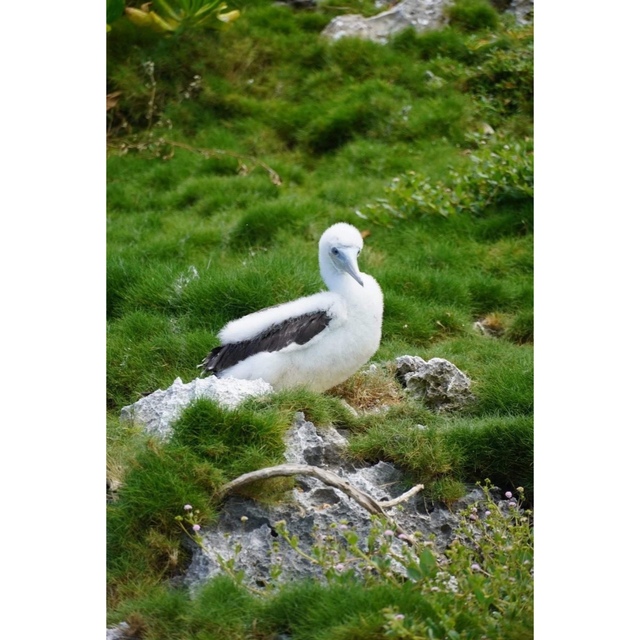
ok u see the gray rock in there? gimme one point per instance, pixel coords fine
(522, 10)
(422, 15)
(119, 632)
(438, 383)
(157, 411)
(245, 533)
(304, 445)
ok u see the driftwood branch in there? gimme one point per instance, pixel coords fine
(405, 496)
(329, 478)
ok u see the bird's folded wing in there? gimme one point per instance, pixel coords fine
(254, 324)
(298, 329)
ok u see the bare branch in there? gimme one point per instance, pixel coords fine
(331, 479)
(405, 496)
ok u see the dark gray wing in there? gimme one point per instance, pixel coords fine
(299, 330)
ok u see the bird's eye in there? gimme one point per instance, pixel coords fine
(335, 251)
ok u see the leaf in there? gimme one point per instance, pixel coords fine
(414, 573)
(115, 8)
(428, 564)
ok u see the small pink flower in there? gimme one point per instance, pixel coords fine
(487, 512)
(196, 527)
(475, 567)
(512, 505)
(508, 495)
(403, 536)
(388, 533)
(339, 567)
(343, 527)
(473, 516)
(399, 616)
(187, 507)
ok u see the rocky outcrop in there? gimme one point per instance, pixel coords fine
(246, 531)
(246, 537)
(438, 383)
(419, 14)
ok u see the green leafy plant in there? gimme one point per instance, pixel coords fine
(496, 174)
(178, 15)
(504, 82)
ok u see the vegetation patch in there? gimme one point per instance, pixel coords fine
(230, 151)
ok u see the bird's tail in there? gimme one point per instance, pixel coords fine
(209, 364)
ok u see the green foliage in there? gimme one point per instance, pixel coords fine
(323, 410)
(440, 43)
(504, 82)
(238, 441)
(262, 223)
(472, 15)
(221, 610)
(442, 452)
(496, 174)
(199, 233)
(115, 8)
(496, 447)
(520, 330)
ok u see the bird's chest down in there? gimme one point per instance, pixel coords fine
(328, 359)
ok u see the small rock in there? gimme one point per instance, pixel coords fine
(522, 10)
(306, 446)
(438, 383)
(119, 632)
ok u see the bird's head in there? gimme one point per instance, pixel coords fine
(340, 246)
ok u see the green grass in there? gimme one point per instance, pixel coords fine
(197, 239)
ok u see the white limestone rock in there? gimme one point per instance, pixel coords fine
(157, 411)
(422, 15)
(246, 532)
(438, 383)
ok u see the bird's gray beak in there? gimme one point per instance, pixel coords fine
(349, 261)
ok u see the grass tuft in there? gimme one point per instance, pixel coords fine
(372, 389)
(472, 15)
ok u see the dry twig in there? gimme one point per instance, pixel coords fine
(331, 479)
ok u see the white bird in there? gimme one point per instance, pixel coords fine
(317, 341)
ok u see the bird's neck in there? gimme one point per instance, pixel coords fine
(343, 284)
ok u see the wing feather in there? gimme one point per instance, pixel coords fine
(298, 330)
